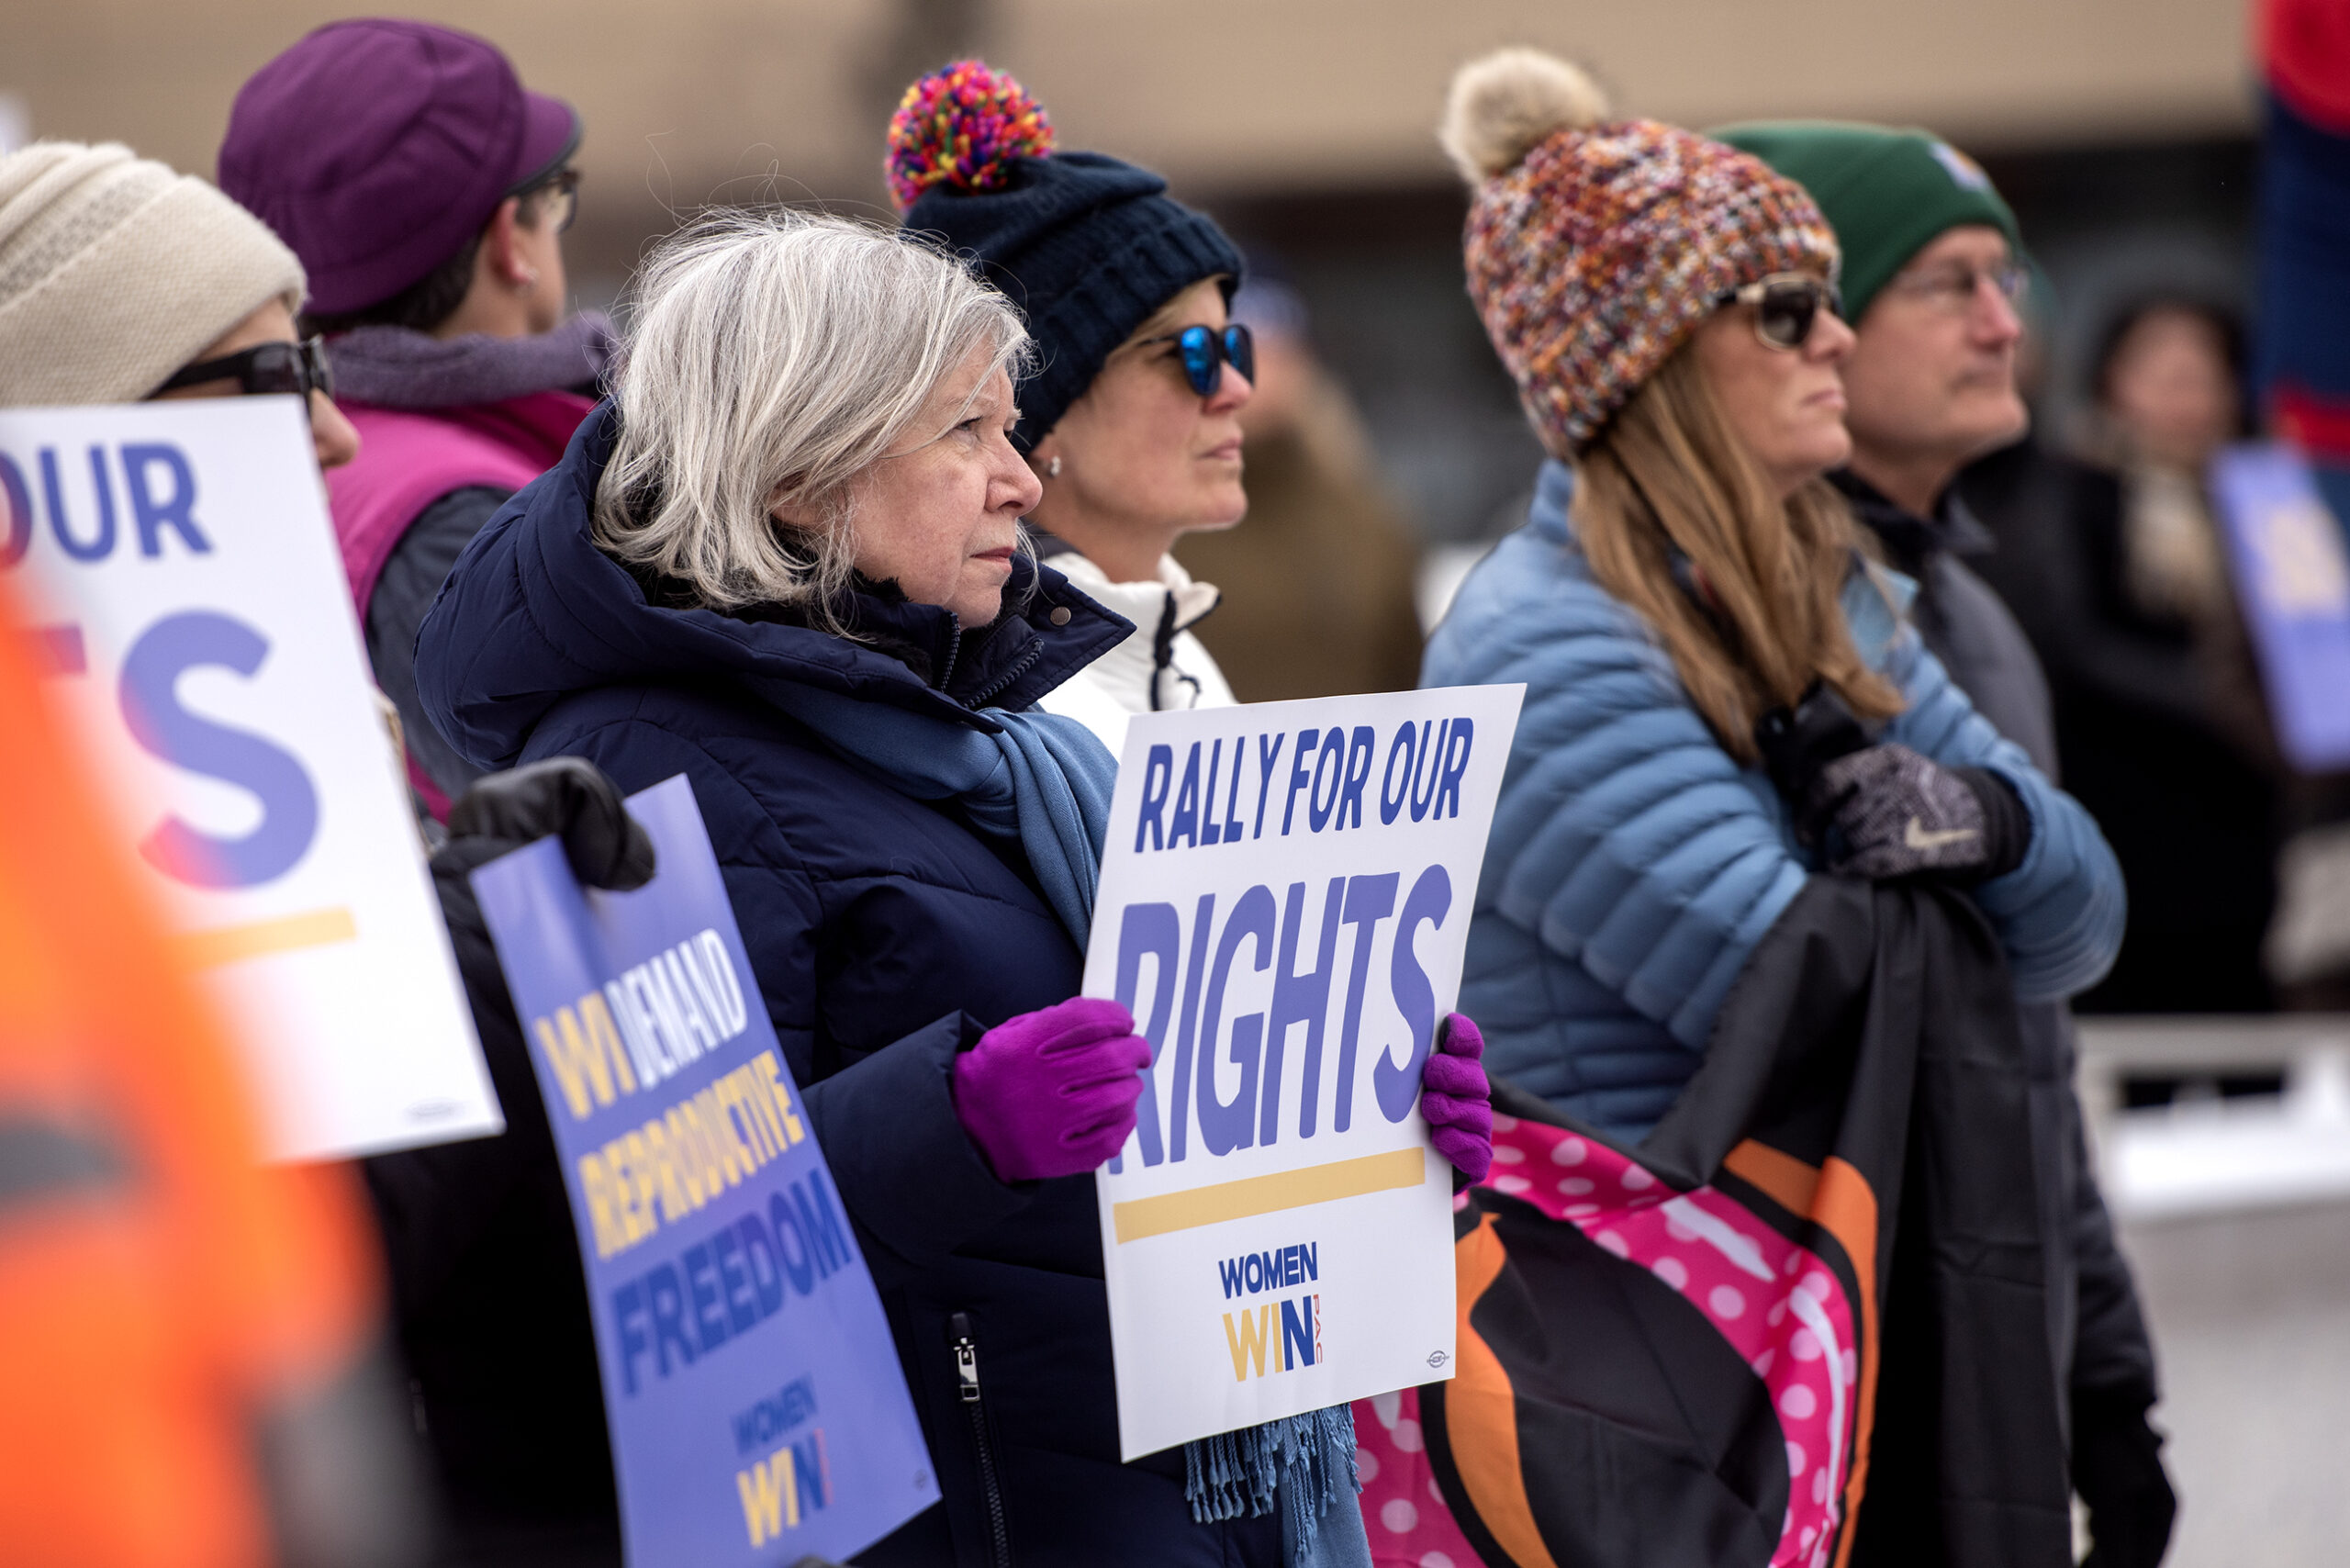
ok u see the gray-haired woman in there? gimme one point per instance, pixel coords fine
(785, 562)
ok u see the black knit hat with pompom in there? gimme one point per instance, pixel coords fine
(1088, 246)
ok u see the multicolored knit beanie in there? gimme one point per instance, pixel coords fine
(1087, 246)
(1594, 247)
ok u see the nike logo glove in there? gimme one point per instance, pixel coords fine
(1893, 812)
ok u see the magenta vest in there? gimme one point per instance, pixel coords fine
(410, 458)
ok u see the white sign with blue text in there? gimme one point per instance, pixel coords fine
(1285, 906)
(177, 564)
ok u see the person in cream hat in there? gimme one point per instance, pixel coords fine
(122, 279)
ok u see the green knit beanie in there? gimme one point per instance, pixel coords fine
(1887, 193)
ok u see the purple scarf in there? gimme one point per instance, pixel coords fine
(396, 367)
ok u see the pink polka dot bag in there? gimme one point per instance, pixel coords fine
(1765, 1333)
(1659, 1368)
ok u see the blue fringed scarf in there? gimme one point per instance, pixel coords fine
(1042, 780)
(1304, 1463)
(1045, 780)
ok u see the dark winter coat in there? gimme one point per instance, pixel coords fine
(2095, 1328)
(886, 935)
(488, 1304)
(2188, 802)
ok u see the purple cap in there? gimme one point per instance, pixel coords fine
(377, 148)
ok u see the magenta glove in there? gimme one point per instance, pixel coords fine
(1052, 1092)
(1457, 1100)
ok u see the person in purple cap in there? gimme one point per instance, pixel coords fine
(426, 192)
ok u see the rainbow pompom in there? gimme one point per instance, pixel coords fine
(965, 125)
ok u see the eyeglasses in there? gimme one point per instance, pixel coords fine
(1204, 352)
(264, 370)
(1956, 287)
(559, 196)
(1785, 305)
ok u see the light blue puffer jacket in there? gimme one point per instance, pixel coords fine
(1634, 865)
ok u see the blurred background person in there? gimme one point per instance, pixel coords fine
(1317, 582)
(197, 1374)
(2160, 713)
(2112, 558)
(427, 193)
(1131, 418)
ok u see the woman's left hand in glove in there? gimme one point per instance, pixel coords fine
(1891, 811)
(2117, 1471)
(1457, 1100)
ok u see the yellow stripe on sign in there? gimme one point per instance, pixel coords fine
(1252, 1196)
(233, 943)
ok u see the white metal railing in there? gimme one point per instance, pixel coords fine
(2204, 1154)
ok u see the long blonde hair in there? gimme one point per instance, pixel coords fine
(1668, 470)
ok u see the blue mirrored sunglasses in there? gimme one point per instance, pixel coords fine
(1203, 352)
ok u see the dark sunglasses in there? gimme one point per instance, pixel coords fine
(1785, 305)
(1204, 352)
(264, 370)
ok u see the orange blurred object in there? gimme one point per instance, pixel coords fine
(162, 1293)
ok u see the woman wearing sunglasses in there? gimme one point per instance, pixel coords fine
(154, 286)
(1685, 598)
(1131, 418)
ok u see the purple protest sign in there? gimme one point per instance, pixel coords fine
(757, 1407)
(2286, 551)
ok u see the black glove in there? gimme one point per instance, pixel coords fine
(566, 796)
(1797, 742)
(1892, 813)
(2117, 1471)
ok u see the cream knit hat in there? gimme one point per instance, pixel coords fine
(116, 271)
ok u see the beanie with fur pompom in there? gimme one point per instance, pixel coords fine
(1594, 247)
(116, 271)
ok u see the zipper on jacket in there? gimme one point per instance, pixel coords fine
(1162, 650)
(967, 1374)
(1020, 666)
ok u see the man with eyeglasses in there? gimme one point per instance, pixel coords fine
(426, 192)
(1931, 279)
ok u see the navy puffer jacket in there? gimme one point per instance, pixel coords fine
(1634, 865)
(886, 934)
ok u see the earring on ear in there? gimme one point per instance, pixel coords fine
(1053, 469)
(529, 278)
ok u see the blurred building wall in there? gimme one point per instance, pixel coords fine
(2122, 127)
(689, 95)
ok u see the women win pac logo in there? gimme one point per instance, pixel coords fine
(1275, 1336)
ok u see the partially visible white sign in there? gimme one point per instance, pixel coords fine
(16, 121)
(1284, 904)
(189, 599)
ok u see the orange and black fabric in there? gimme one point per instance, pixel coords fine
(1801, 1323)
(165, 1299)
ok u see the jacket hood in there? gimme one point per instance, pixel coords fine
(533, 613)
